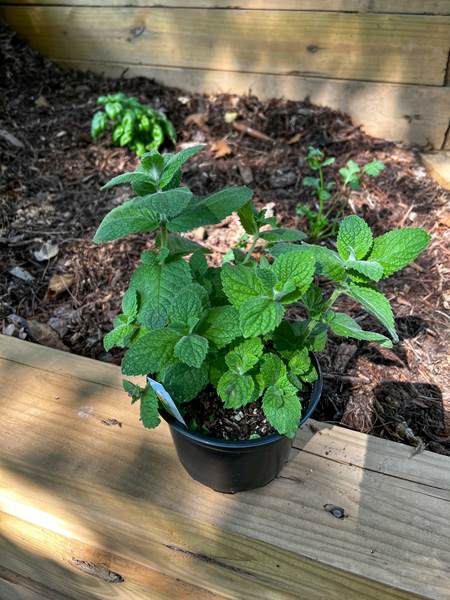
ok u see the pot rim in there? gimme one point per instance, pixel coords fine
(235, 444)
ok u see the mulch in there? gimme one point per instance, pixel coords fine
(51, 202)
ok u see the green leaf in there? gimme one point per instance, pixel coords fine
(130, 303)
(272, 368)
(395, 249)
(133, 177)
(376, 303)
(317, 339)
(113, 109)
(244, 356)
(198, 264)
(221, 326)
(239, 284)
(286, 248)
(181, 246)
(259, 316)
(211, 209)
(175, 161)
(152, 352)
(349, 173)
(343, 324)
(312, 182)
(300, 362)
(185, 305)
(373, 168)
(152, 163)
(282, 411)
(170, 203)
(324, 195)
(99, 124)
(116, 336)
(354, 239)
(192, 350)
(125, 219)
(133, 390)
(297, 268)
(247, 216)
(328, 263)
(313, 300)
(184, 382)
(282, 235)
(235, 390)
(328, 161)
(149, 408)
(157, 285)
(371, 270)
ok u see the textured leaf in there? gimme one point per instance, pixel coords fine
(130, 303)
(259, 316)
(170, 203)
(180, 246)
(374, 168)
(221, 326)
(247, 216)
(149, 408)
(239, 284)
(192, 350)
(134, 177)
(282, 411)
(343, 324)
(211, 209)
(184, 306)
(295, 267)
(184, 382)
(317, 339)
(376, 303)
(282, 235)
(286, 248)
(395, 249)
(152, 163)
(371, 269)
(198, 264)
(156, 286)
(244, 356)
(235, 390)
(125, 219)
(175, 161)
(151, 353)
(272, 368)
(313, 300)
(300, 362)
(354, 238)
(328, 263)
(116, 336)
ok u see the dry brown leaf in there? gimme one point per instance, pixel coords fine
(220, 149)
(41, 333)
(59, 284)
(198, 119)
(297, 137)
(41, 101)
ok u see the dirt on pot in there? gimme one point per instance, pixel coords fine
(59, 289)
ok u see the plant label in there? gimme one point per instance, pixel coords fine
(166, 400)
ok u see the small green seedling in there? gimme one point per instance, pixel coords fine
(322, 224)
(135, 125)
(189, 325)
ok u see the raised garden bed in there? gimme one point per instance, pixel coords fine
(52, 173)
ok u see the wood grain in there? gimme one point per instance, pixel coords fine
(426, 7)
(411, 114)
(438, 165)
(377, 47)
(119, 492)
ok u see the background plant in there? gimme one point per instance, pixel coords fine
(322, 224)
(135, 125)
(189, 325)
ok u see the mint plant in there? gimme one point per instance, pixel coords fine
(190, 325)
(135, 125)
(322, 224)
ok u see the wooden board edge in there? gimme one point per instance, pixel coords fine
(438, 166)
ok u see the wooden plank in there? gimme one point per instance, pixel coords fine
(378, 47)
(438, 165)
(122, 491)
(426, 7)
(410, 114)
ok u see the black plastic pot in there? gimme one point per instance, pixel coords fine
(236, 466)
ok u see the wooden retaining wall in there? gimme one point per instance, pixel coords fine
(384, 62)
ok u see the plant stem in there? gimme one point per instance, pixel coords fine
(252, 247)
(163, 228)
(335, 200)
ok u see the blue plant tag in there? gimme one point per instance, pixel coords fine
(166, 400)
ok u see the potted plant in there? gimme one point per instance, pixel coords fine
(221, 333)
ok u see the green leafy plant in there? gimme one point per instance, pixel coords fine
(135, 125)
(189, 325)
(322, 224)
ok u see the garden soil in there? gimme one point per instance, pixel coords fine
(59, 289)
